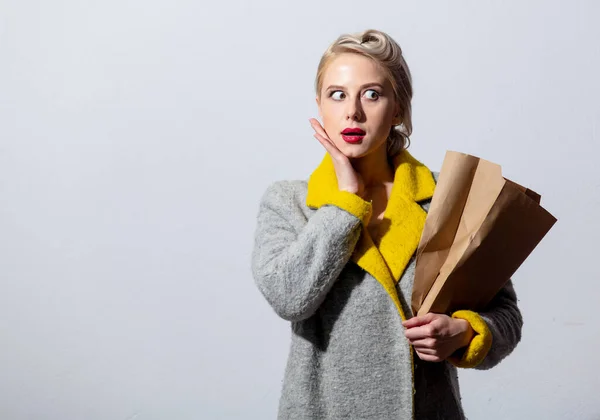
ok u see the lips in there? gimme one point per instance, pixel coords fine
(354, 131)
(353, 135)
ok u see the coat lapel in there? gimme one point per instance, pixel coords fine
(404, 218)
(403, 222)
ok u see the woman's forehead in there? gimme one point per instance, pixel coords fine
(353, 70)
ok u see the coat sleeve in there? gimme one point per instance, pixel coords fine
(295, 261)
(497, 331)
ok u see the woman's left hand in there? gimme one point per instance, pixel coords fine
(436, 336)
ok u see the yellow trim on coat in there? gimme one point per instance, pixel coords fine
(404, 218)
(480, 344)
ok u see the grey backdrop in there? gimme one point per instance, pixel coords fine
(136, 138)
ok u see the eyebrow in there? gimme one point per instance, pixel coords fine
(362, 87)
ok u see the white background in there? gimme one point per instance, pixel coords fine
(136, 138)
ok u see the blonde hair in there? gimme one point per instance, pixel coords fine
(386, 52)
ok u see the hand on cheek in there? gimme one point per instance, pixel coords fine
(436, 336)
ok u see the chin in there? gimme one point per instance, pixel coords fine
(356, 150)
(355, 153)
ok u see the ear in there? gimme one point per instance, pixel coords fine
(397, 120)
(319, 107)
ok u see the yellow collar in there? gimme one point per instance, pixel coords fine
(403, 219)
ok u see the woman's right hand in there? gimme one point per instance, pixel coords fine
(348, 179)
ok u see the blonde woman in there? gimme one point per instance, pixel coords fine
(334, 255)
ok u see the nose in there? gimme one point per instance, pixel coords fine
(354, 111)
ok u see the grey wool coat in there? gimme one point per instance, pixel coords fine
(346, 293)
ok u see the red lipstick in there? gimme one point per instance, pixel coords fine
(353, 135)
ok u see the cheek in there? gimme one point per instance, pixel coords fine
(382, 116)
(330, 114)
(380, 120)
(329, 110)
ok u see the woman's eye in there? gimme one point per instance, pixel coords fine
(372, 94)
(337, 95)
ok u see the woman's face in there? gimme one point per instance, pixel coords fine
(356, 94)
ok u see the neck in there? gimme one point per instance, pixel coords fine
(374, 168)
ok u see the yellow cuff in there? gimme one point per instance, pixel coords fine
(353, 204)
(480, 344)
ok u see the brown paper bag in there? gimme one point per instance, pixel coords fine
(479, 230)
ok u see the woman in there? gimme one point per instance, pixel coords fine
(335, 256)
